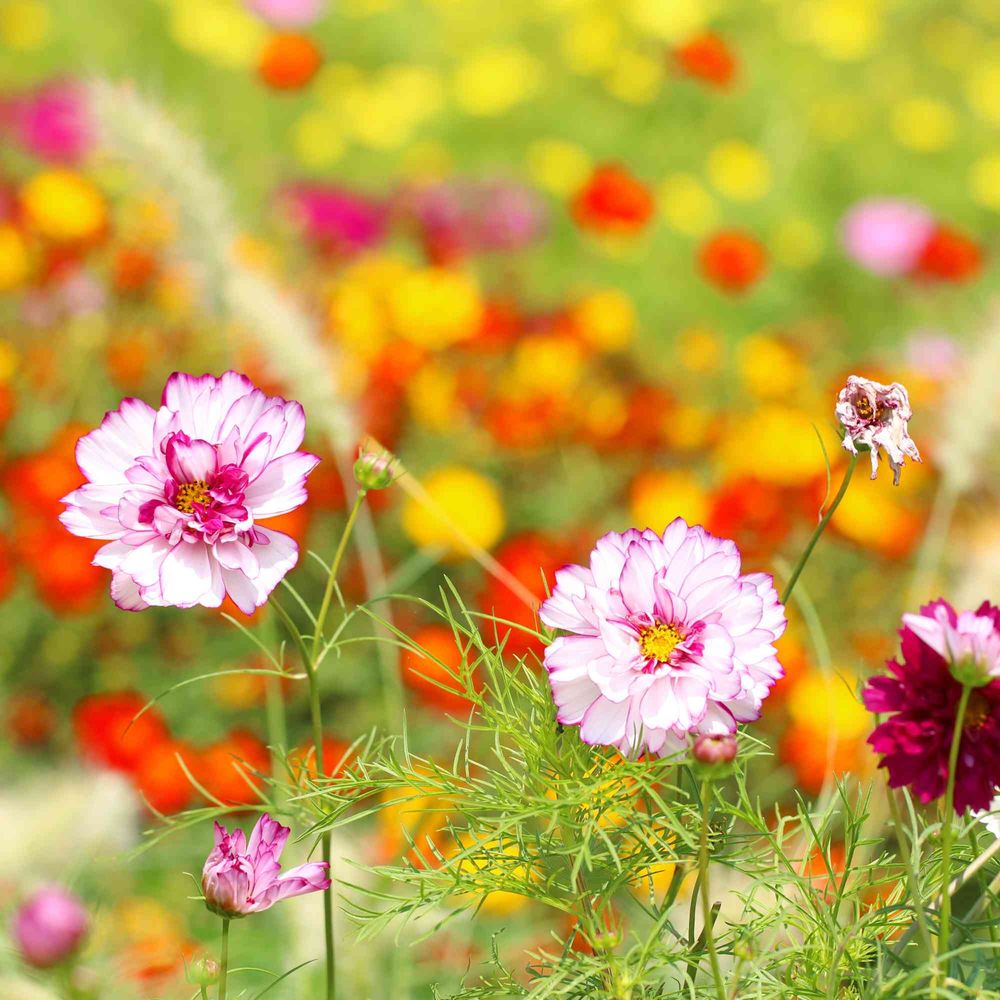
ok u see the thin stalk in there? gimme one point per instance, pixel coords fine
(315, 712)
(706, 902)
(911, 872)
(947, 823)
(820, 528)
(338, 558)
(204, 993)
(224, 959)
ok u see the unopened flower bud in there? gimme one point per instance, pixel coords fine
(375, 469)
(204, 972)
(715, 749)
(49, 927)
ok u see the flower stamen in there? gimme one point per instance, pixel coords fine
(188, 494)
(658, 641)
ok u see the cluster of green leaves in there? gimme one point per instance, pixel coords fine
(810, 901)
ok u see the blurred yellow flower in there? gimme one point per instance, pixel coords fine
(690, 428)
(605, 411)
(657, 496)
(872, 516)
(984, 180)
(488, 867)
(672, 22)
(63, 206)
(830, 700)
(796, 242)
(435, 307)
(14, 261)
(605, 319)
(634, 78)
(461, 498)
(924, 124)
(432, 396)
(317, 139)
(842, 29)
(769, 368)
(982, 90)
(220, 30)
(557, 166)
(774, 443)
(699, 349)
(24, 24)
(357, 320)
(496, 79)
(9, 360)
(544, 364)
(739, 171)
(686, 205)
(589, 42)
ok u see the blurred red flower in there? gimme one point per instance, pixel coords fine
(613, 201)
(949, 256)
(732, 260)
(108, 732)
(707, 58)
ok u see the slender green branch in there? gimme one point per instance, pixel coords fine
(224, 959)
(947, 824)
(706, 901)
(820, 528)
(331, 580)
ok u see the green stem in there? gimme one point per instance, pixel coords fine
(315, 712)
(706, 901)
(204, 993)
(944, 932)
(338, 558)
(820, 528)
(911, 872)
(224, 959)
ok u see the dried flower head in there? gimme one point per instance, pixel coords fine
(876, 416)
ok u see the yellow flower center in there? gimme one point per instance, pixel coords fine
(657, 642)
(188, 494)
(863, 407)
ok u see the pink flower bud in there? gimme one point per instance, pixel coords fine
(49, 927)
(204, 972)
(375, 469)
(715, 749)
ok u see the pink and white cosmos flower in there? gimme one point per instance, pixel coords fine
(178, 492)
(667, 639)
(240, 878)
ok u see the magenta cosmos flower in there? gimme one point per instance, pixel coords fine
(667, 638)
(886, 235)
(241, 878)
(180, 491)
(49, 927)
(921, 696)
(877, 416)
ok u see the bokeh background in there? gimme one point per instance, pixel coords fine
(582, 264)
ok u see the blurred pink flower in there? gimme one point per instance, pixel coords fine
(667, 638)
(288, 13)
(241, 878)
(179, 492)
(52, 122)
(335, 219)
(474, 216)
(886, 235)
(877, 416)
(933, 354)
(49, 927)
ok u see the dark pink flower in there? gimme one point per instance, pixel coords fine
(241, 878)
(49, 927)
(179, 492)
(920, 695)
(52, 123)
(335, 219)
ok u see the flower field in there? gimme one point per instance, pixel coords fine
(499, 499)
